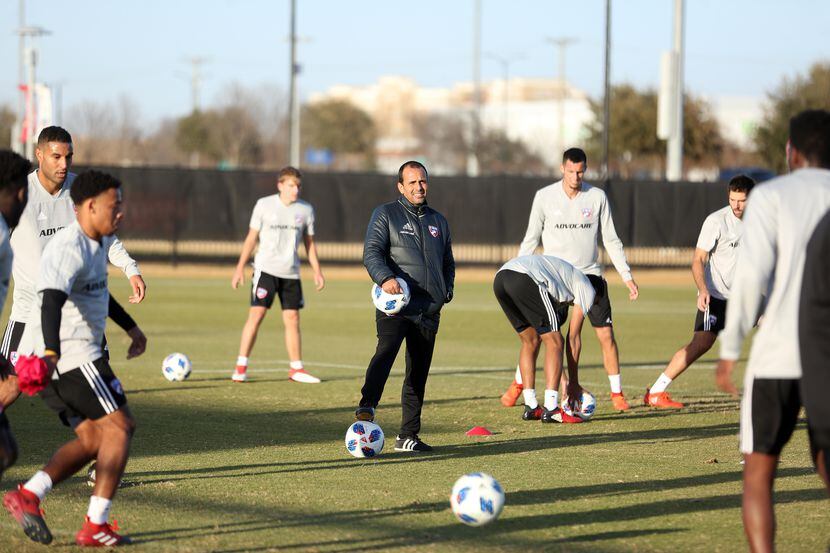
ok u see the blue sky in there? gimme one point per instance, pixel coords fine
(100, 50)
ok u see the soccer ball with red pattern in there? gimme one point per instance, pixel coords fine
(364, 439)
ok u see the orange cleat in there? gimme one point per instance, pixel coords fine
(661, 400)
(511, 396)
(620, 404)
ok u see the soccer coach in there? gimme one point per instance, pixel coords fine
(407, 239)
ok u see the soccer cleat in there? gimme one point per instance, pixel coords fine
(511, 396)
(365, 414)
(300, 375)
(532, 414)
(558, 415)
(240, 374)
(410, 443)
(620, 404)
(99, 535)
(661, 400)
(24, 506)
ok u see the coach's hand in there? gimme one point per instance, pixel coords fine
(633, 289)
(319, 281)
(723, 377)
(139, 288)
(703, 300)
(139, 343)
(238, 278)
(392, 286)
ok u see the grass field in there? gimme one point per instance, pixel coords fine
(225, 467)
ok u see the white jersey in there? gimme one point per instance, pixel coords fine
(719, 237)
(76, 265)
(6, 256)
(569, 228)
(281, 229)
(562, 280)
(45, 214)
(780, 218)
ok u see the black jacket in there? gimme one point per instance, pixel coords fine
(412, 242)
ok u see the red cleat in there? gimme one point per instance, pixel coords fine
(24, 506)
(99, 535)
(620, 404)
(558, 415)
(661, 400)
(511, 396)
(240, 374)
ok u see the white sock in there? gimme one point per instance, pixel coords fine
(616, 385)
(661, 384)
(551, 399)
(99, 509)
(241, 361)
(529, 395)
(40, 484)
(296, 365)
(518, 376)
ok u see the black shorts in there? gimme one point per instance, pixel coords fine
(265, 287)
(713, 319)
(90, 392)
(769, 413)
(600, 312)
(528, 304)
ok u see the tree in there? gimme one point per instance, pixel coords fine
(792, 96)
(343, 129)
(633, 143)
(442, 141)
(498, 153)
(7, 119)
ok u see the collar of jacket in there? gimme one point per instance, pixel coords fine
(417, 210)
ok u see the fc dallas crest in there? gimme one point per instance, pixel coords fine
(434, 231)
(587, 212)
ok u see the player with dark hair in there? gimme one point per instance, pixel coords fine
(83, 390)
(780, 226)
(50, 208)
(534, 292)
(568, 217)
(713, 266)
(407, 239)
(13, 195)
(280, 222)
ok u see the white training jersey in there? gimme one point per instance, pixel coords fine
(569, 228)
(719, 237)
(281, 229)
(75, 264)
(563, 281)
(780, 218)
(45, 214)
(6, 256)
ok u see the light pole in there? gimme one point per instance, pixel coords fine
(561, 44)
(606, 100)
(30, 61)
(293, 104)
(475, 127)
(674, 148)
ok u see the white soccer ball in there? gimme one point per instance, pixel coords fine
(477, 499)
(176, 367)
(390, 303)
(587, 406)
(364, 439)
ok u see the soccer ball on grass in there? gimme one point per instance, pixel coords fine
(586, 407)
(364, 439)
(477, 499)
(176, 367)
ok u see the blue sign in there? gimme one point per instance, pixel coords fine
(318, 157)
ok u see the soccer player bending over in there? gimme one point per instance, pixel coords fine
(712, 268)
(82, 389)
(13, 195)
(280, 222)
(534, 292)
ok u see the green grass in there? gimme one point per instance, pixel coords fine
(217, 466)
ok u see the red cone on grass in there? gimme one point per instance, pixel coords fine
(479, 431)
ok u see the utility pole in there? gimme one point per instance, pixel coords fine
(674, 148)
(293, 104)
(561, 45)
(21, 70)
(606, 101)
(196, 63)
(475, 138)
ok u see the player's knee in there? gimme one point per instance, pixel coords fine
(530, 339)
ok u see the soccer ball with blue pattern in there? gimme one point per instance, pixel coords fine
(586, 407)
(176, 367)
(477, 499)
(390, 303)
(364, 439)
